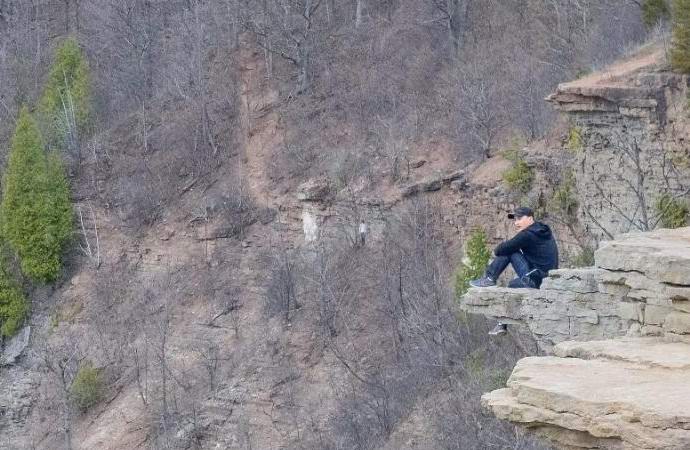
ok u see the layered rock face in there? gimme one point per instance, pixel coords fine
(639, 286)
(630, 391)
(626, 139)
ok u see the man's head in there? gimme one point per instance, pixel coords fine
(522, 217)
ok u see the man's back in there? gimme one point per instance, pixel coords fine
(536, 243)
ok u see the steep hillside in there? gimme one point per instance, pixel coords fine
(217, 289)
(190, 323)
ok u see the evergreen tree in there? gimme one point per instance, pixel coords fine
(65, 104)
(655, 11)
(35, 214)
(13, 304)
(680, 53)
(477, 256)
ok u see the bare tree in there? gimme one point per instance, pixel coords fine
(90, 245)
(640, 173)
(454, 13)
(61, 361)
(281, 292)
(288, 29)
(480, 112)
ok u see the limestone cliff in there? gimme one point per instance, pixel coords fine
(627, 140)
(616, 335)
(631, 391)
(640, 286)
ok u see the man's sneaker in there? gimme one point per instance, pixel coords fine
(499, 329)
(483, 282)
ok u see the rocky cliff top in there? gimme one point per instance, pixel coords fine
(617, 394)
(636, 88)
(619, 333)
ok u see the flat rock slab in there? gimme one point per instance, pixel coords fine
(663, 255)
(658, 398)
(628, 394)
(650, 352)
(496, 302)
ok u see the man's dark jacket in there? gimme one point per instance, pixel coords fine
(537, 245)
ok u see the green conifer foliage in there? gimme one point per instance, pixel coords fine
(67, 94)
(477, 255)
(36, 213)
(87, 388)
(13, 304)
(655, 11)
(680, 53)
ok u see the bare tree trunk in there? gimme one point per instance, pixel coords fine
(66, 12)
(457, 19)
(233, 10)
(303, 81)
(77, 15)
(359, 7)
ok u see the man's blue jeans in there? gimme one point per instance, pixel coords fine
(520, 265)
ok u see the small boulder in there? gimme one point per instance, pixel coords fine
(431, 185)
(314, 190)
(453, 175)
(15, 347)
(167, 233)
(266, 215)
(459, 185)
(409, 190)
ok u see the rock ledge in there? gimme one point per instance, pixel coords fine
(619, 333)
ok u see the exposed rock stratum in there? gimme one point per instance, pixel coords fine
(618, 336)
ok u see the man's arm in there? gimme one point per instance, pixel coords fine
(514, 245)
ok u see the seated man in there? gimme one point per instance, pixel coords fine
(532, 252)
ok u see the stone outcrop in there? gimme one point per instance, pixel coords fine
(639, 286)
(15, 347)
(629, 393)
(314, 190)
(619, 338)
(623, 141)
(18, 389)
(433, 183)
(640, 96)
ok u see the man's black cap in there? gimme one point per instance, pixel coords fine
(521, 212)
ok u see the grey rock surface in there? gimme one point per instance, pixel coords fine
(639, 286)
(616, 394)
(314, 190)
(15, 347)
(619, 333)
(620, 117)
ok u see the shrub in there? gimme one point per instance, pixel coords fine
(655, 11)
(680, 51)
(87, 388)
(35, 214)
(347, 166)
(564, 200)
(672, 212)
(575, 142)
(477, 255)
(585, 258)
(66, 96)
(582, 72)
(14, 307)
(519, 177)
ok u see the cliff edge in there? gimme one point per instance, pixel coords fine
(619, 338)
